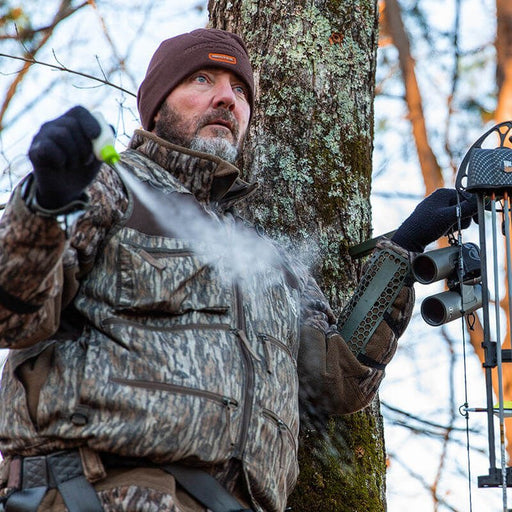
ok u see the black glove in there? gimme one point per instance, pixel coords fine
(434, 217)
(62, 156)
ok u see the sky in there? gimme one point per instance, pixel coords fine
(420, 380)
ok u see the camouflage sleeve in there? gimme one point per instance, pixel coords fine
(315, 309)
(39, 267)
(333, 379)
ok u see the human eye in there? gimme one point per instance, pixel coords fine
(201, 78)
(241, 90)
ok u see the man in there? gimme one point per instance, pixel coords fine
(144, 374)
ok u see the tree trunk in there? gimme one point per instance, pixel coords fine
(310, 146)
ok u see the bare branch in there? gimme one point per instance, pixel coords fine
(450, 428)
(31, 61)
(119, 58)
(421, 479)
(64, 11)
(454, 81)
(422, 421)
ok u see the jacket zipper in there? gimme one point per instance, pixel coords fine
(283, 429)
(157, 258)
(249, 374)
(172, 328)
(227, 402)
(159, 252)
(247, 344)
(267, 340)
(166, 386)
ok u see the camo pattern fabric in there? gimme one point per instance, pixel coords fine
(179, 360)
(182, 357)
(135, 490)
(38, 246)
(175, 331)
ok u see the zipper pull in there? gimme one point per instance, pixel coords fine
(282, 429)
(241, 334)
(160, 265)
(268, 353)
(227, 406)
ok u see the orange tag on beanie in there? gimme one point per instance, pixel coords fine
(222, 57)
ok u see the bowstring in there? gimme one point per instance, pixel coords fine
(498, 345)
(460, 271)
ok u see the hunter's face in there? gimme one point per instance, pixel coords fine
(208, 110)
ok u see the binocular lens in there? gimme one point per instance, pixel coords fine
(439, 310)
(424, 270)
(435, 265)
(447, 306)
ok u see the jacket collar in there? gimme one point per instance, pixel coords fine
(209, 178)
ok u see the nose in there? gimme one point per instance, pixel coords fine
(224, 96)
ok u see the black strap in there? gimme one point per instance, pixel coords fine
(79, 495)
(368, 361)
(62, 470)
(205, 489)
(27, 500)
(16, 305)
(76, 491)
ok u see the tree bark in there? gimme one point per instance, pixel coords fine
(310, 147)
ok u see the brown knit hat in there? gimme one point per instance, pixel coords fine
(180, 56)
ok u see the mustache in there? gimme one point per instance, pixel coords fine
(222, 115)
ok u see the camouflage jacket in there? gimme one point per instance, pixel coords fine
(138, 336)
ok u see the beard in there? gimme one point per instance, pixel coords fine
(169, 125)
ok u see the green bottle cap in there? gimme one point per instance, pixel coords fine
(109, 154)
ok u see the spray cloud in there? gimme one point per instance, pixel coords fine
(247, 253)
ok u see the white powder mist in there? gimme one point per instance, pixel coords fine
(242, 248)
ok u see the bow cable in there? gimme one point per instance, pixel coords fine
(466, 404)
(499, 361)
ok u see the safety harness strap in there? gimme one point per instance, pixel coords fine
(27, 500)
(205, 489)
(79, 495)
(61, 470)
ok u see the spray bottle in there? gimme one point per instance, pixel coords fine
(103, 144)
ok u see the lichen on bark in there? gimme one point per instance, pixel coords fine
(310, 146)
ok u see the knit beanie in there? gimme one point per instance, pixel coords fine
(177, 58)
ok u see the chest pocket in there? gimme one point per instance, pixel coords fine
(273, 308)
(166, 276)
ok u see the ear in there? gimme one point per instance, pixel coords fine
(156, 119)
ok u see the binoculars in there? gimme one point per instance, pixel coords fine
(460, 266)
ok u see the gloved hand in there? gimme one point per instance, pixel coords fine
(433, 218)
(62, 157)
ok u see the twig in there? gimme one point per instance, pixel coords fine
(455, 82)
(68, 70)
(120, 59)
(421, 479)
(420, 420)
(64, 11)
